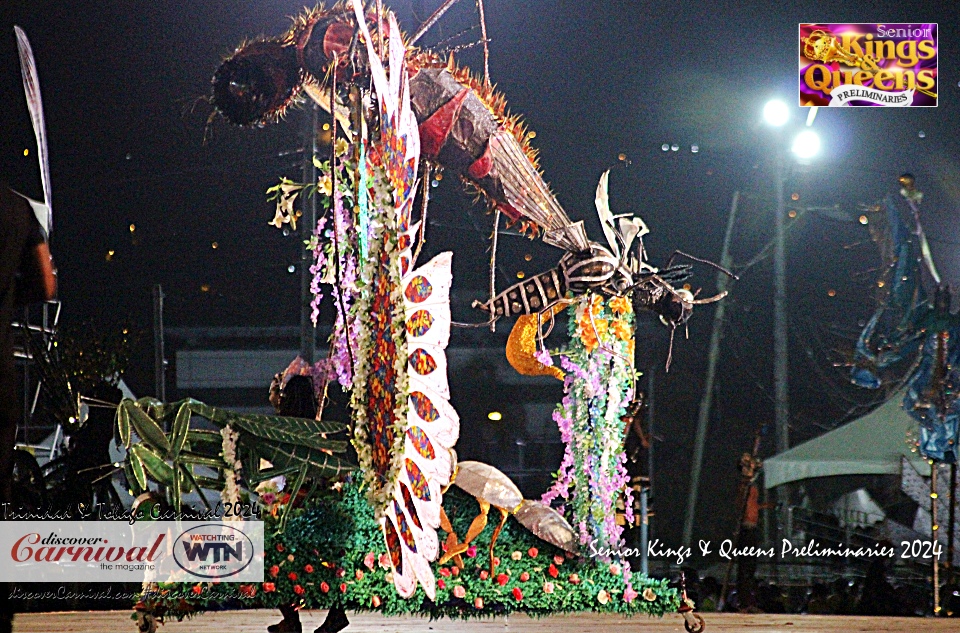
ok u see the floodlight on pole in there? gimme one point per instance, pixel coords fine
(776, 113)
(806, 144)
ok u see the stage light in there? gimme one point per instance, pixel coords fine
(776, 113)
(807, 144)
(494, 416)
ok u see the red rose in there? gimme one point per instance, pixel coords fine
(197, 589)
(483, 574)
(279, 547)
(308, 568)
(292, 576)
(324, 587)
(524, 577)
(248, 590)
(269, 587)
(343, 587)
(456, 571)
(297, 589)
(441, 584)
(502, 579)
(553, 571)
(532, 552)
(445, 572)
(274, 571)
(517, 593)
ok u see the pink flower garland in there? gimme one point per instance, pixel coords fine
(593, 472)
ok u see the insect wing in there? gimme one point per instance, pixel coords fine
(603, 211)
(432, 412)
(404, 578)
(31, 86)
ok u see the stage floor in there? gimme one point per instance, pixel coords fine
(256, 621)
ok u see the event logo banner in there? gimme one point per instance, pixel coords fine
(868, 65)
(116, 551)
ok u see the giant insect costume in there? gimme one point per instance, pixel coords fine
(464, 127)
(404, 109)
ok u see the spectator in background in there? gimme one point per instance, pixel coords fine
(26, 276)
(879, 597)
(748, 536)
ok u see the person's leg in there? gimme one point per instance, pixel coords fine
(290, 622)
(335, 621)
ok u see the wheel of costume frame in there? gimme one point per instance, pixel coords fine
(700, 626)
(29, 489)
(146, 623)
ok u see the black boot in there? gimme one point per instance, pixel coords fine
(336, 621)
(290, 622)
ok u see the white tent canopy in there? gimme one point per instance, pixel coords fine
(871, 445)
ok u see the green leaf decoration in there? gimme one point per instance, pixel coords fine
(136, 466)
(159, 470)
(206, 443)
(181, 425)
(287, 456)
(123, 425)
(146, 428)
(294, 491)
(208, 483)
(201, 460)
(295, 426)
(196, 485)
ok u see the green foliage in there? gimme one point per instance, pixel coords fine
(291, 445)
(333, 547)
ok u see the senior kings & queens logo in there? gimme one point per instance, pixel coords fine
(868, 65)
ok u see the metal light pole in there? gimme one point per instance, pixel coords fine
(805, 146)
(713, 358)
(781, 386)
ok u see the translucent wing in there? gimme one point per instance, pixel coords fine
(547, 524)
(31, 86)
(630, 229)
(433, 425)
(606, 216)
(526, 192)
(485, 482)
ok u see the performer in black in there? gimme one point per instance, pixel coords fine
(298, 399)
(26, 276)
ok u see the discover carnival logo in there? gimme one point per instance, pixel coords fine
(116, 551)
(892, 65)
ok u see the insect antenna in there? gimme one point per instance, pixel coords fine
(702, 261)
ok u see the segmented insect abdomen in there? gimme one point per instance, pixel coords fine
(585, 271)
(529, 296)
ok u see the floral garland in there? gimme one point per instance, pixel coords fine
(334, 250)
(333, 554)
(598, 387)
(230, 494)
(379, 397)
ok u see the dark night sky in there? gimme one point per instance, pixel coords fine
(122, 84)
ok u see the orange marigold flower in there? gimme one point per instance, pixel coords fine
(621, 330)
(620, 305)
